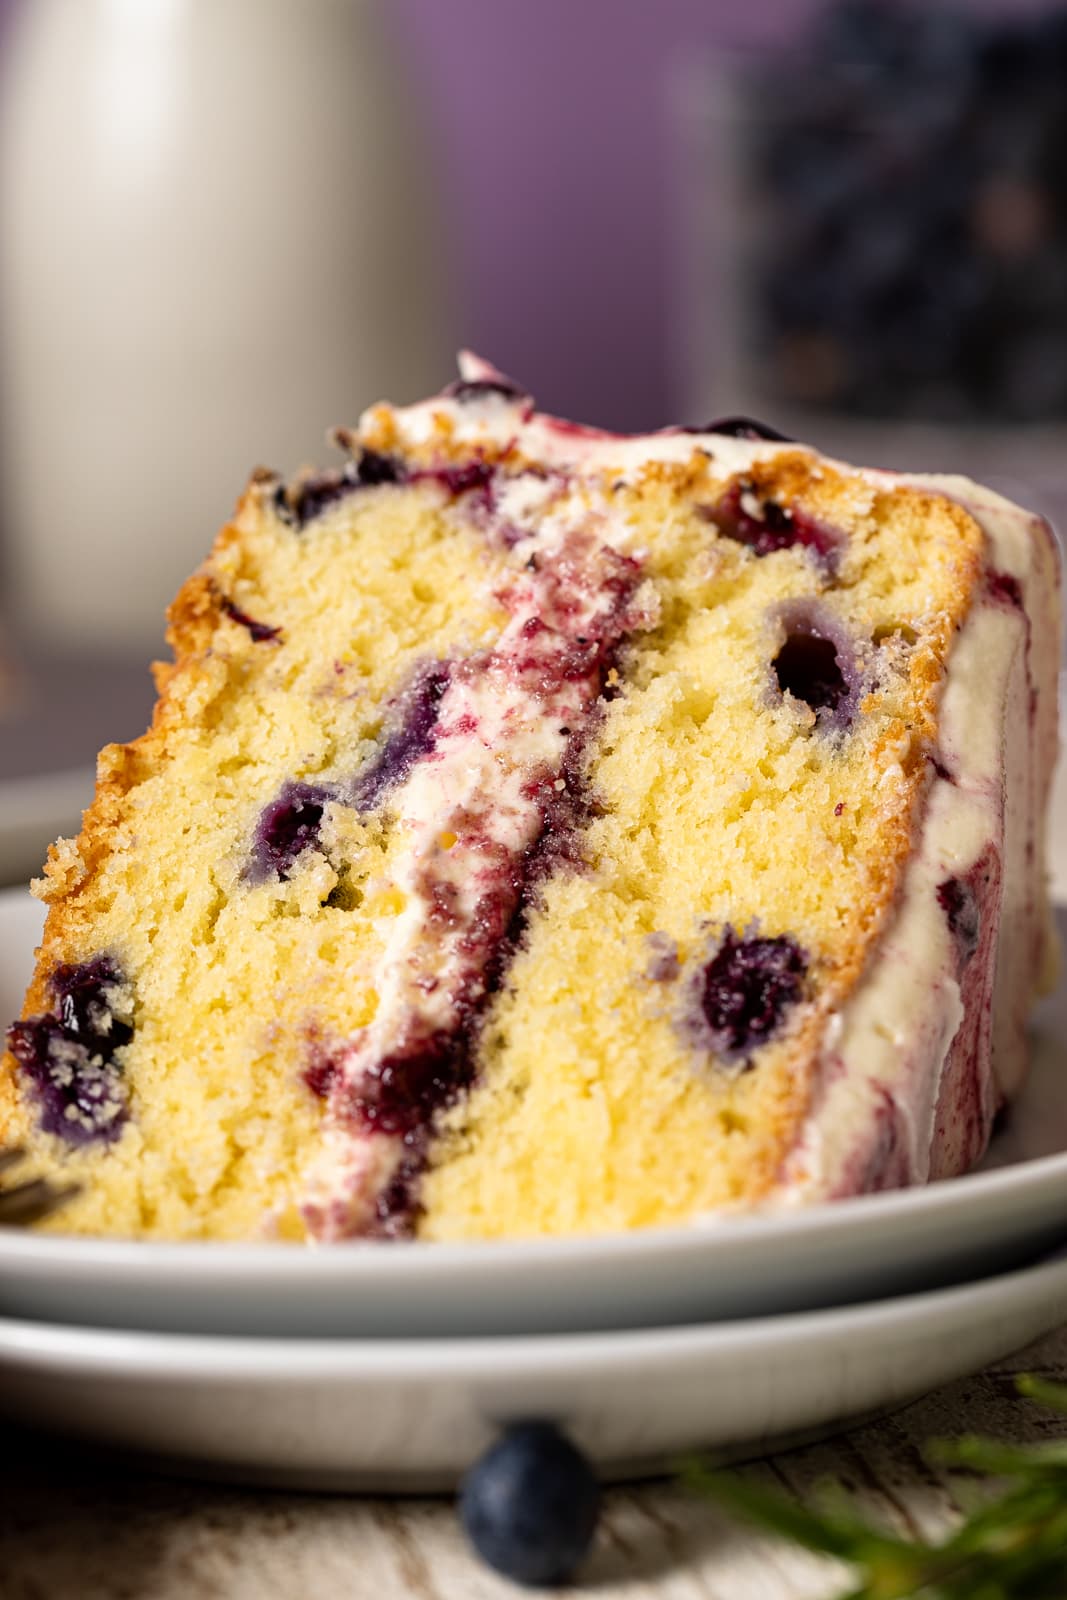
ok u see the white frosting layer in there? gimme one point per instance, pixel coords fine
(885, 1054)
(468, 814)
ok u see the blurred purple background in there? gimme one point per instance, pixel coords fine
(561, 174)
(555, 130)
(559, 171)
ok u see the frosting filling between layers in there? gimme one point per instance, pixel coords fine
(496, 780)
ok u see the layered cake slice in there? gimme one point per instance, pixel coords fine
(543, 831)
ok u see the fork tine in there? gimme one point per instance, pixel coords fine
(31, 1202)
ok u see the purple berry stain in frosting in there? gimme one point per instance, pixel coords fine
(765, 525)
(461, 478)
(745, 991)
(1004, 588)
(569, 615)
(69, 1054)
(958, 901)
(406, 1087)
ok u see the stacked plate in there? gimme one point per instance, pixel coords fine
(392, 1366)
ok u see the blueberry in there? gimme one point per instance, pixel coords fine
(68, 1054)
(468, 390)
(766, 525)
(287, 827)
(292, 822)
(374, 467)
(80, 1094)
(530, 1506)
(817, 664)
(87, 996)
(410, 738)
(807, 668)
(743, 428)
(261, 632)
(309, 499)
(746, 989)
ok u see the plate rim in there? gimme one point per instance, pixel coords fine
(240, 1264)
(419, 1258)
(50, 1346)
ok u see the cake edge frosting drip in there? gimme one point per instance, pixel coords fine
(929, 1046)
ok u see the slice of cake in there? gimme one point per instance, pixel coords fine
(543, 831)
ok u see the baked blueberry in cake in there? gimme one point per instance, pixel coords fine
(544, 831)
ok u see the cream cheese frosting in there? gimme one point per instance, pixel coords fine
(887, 1055)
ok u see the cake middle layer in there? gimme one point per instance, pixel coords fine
(544, 832)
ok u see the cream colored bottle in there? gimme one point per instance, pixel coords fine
(216, 240)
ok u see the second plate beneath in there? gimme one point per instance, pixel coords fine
(411, 1414)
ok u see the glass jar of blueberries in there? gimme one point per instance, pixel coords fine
(881, 235)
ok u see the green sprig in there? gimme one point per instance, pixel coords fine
(1013, 1547)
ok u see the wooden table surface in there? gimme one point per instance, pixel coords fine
(75, 1529)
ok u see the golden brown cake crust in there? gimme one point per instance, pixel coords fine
(72, 866)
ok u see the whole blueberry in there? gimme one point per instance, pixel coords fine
(530, 1505)
(747, 989)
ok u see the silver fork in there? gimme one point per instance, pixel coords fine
(29, 1202)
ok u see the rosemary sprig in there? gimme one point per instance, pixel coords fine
(1013, 1547)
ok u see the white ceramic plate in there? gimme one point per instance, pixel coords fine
(413, 1414)
(855, 1250)
(36, 810)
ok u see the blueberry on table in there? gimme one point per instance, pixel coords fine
(530, 1505)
